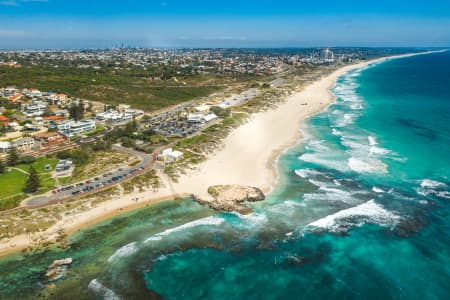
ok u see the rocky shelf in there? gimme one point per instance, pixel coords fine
(232, 198)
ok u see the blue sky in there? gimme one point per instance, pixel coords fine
(232, 23)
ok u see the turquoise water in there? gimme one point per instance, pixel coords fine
(362, 212)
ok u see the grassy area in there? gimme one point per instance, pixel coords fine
(11, 202)
(101, 162)
(39, 165)
(12, 183)
(149, 179)
(97, 130)
(64, 180)
(197, 139)
(113, 87)
(47, 183)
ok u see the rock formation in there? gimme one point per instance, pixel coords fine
(57, 269)
(232, 197)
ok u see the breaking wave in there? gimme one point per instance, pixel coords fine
(102, 290)
(369, 212)
(214, 221)
(125, 251)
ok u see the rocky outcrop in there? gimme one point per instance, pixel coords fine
(232, 197)
(57, 269)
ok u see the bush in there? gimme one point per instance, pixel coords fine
(79, 157)
(220, 112)
(102, 145)
(127, 142)
(28, 159)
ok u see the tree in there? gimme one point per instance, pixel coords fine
(2, 128)
(76, 111)
(2, 167)
(33, 183)
(131, 127)
(13, 157)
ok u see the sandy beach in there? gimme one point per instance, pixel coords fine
(248, 157)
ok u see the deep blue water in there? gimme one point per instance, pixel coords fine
(362, 212)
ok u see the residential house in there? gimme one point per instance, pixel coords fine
(35, 108)
(4, 120)
(9, 91)
(5, 147)
(47, 138)
(24, 144)
(16, 97)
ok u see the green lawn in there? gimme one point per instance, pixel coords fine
(65, 180)
(12, 183)
(97, 130)
(39, 165)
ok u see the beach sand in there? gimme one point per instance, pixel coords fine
(248, 157)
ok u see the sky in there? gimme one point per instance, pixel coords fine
(70, 24)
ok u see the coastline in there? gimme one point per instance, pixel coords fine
(247, 158)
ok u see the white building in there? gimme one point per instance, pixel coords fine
(199, 118)
(35, 108)
(326, 55)
(32, 93)
(71, 128)
(24, 144)
(63, 165)
(9, 91)
(113, 116)
(5, 147)
(202, 108)
(168, 155)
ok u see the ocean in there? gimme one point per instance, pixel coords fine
(362, 211)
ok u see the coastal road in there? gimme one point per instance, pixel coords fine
(96, 183)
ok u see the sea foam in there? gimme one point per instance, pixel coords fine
(305, 173)
(369, 212)
(213, 221)
(102, 290)
(368, 165)
(125, 251)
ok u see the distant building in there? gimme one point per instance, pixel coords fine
(72, 128)
(202, 108)
(169, 155)
(4, 120)
(13, 127)
(48, 138)
(15, 97)
(32, 93)
(114, 117)
(199, 118)
(5, 147)
(35, 108)
(24, 144)
(63, 165)
(9, 91)
(326, 55)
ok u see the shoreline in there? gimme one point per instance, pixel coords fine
(247, 158)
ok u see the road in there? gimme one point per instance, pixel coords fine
(94, 184)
